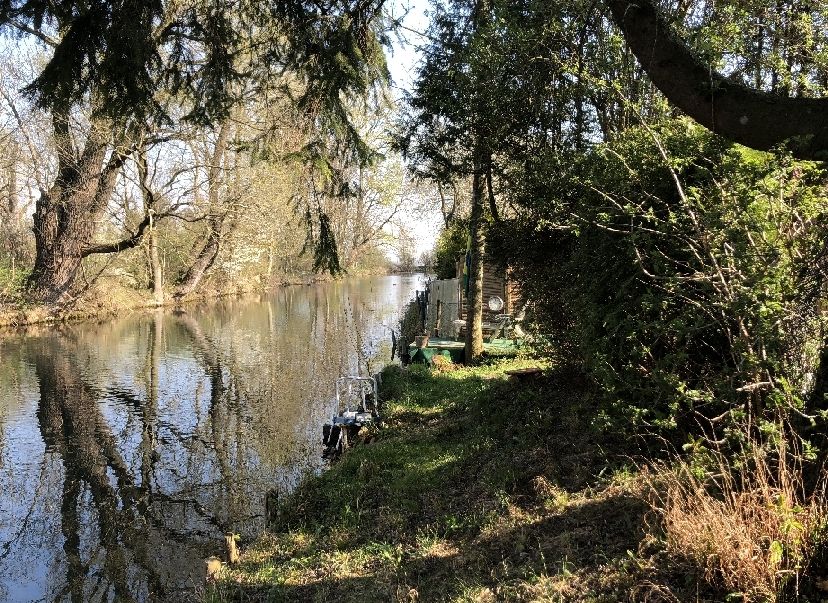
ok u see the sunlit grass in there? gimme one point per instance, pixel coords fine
(478, 488)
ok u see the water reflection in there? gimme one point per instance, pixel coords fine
(128, 449)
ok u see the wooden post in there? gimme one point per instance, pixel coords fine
(232, 549)
(439, 316)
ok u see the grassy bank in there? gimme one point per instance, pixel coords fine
(482, 489)
(477, 489)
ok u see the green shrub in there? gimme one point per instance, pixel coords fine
(12, 281)
(682, 270)
(451, 244)
(392, 383)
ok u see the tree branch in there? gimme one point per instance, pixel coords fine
(127, 243)
(754, 118)
(43, 37)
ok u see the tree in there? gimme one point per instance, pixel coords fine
(219, 205)
(750, 116)
(449, 130)
(502, 85)
(117, 62)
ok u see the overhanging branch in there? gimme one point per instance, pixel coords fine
(754, 118)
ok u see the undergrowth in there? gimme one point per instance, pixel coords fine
(480, 489)
(12, 282)
(752, 527)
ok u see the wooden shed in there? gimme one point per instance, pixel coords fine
(448, 304)
(496, 282)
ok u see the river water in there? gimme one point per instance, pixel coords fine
(127, 449)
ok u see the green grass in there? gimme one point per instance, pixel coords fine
(476, 489)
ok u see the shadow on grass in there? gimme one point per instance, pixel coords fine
(446, 504)
(584, 540)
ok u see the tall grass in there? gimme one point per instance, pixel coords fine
(751, 528)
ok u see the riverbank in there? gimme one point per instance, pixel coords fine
(477, 489)
(482, 489)
(109, 298)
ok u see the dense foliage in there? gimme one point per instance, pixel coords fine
(208, 138)
(451, 245)
(687, 272)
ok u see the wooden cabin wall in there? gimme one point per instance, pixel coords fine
(494, 283)
(445, 297)
(515, 300)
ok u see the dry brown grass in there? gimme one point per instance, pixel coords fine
(752, 529)
(442, 364)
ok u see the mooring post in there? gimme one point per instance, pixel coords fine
(232, 548)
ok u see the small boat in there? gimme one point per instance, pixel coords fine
(356, 407)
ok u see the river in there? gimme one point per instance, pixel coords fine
(128, 448)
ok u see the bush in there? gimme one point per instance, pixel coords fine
(751, 529)
(392, 383)
(12, 281)
(685, 271)
(451, 244)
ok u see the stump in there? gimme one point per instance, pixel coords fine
(232, 548)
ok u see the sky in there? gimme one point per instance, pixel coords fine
(403, 60)
(402, 63)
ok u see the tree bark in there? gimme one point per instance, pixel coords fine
(757, 119)
(204, 260)
(481, 167)
(477, 232)
(155, 268)
(65, 216)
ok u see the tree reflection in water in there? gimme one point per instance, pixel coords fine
(163, 432)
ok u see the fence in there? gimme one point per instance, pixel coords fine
(443, 307)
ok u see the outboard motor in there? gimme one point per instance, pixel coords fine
(332, 441)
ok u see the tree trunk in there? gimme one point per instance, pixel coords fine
(477, 232)
(62, 228)
(481, 166)
(215, 222)
(155, 268)
(204, 260)
(66, 215)
(156, 276)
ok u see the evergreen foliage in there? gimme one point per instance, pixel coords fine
(451, 244)
(126, 53)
